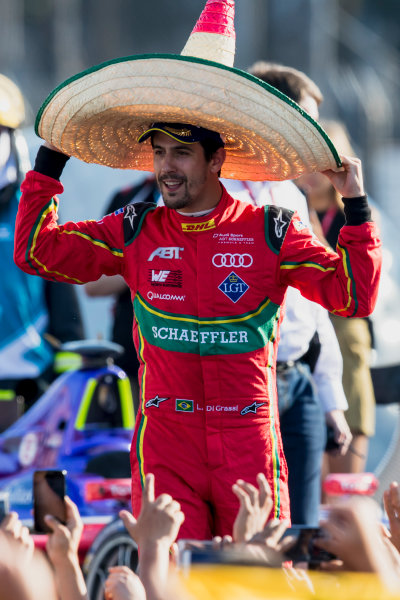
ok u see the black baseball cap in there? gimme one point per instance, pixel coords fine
(182, 132)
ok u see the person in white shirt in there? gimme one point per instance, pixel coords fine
(309, 367)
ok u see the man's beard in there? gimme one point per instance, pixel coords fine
(180, 202)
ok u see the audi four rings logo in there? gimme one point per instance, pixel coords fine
(232, 260)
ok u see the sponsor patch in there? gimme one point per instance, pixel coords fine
(167, 252)
(298, 225)
(184, 405)
(155, 401)
(165, 278)
(232, 260)
(157, 296)
(276, 226)
(180, 334)
(233, 286)
(279, 225)
(233, 238)
(252, 408)
(198, 226)
(134, 215)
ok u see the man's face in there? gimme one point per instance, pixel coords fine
(182, 172)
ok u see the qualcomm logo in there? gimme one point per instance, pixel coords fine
(169, 252)
(232, 260)
(157, 296)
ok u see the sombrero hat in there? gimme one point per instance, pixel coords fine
(12, 107)
(99, 114)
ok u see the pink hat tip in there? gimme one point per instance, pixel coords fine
(217, 17)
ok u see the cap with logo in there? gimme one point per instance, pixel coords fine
(99, 115)
(182, 132)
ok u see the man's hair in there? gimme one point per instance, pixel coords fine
(209, 145)
(287, 80)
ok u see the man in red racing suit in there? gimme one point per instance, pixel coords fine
(207, 293)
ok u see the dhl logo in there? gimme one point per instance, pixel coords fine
(198, 226)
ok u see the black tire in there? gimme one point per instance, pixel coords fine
(113, 546)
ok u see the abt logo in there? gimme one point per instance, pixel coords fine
(159, 276)
(168, 252)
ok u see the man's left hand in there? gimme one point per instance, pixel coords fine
(347, 179)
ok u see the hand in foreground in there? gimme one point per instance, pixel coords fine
(255, 508)
(123, 584)
(25, 574)
(64, 540)
(342, 434)
(391, 501)
(159, 519)
(62, 549)
(155, 530)
(13, 527)
(348, 179)
(354, 536)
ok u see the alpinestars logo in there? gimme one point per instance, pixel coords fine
(279, 225)
(130, 214)
(155, 401)
(165, 278)
(252, 408)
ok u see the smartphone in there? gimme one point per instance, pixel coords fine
(4, 505)
(48, 498)
(197, 551)
(304, 549)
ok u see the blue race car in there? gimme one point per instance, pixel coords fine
(83, 424)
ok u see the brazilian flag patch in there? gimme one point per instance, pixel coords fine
(184, 405)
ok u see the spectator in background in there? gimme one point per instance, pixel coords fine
(145, 191)
(354, 335)
(30, 308)
(309, 364)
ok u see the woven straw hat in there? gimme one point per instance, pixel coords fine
(12, 108)
(98, 115)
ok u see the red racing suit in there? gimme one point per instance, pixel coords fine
(207, 295)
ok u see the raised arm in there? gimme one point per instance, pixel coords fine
(346, 281)
(73, 252)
